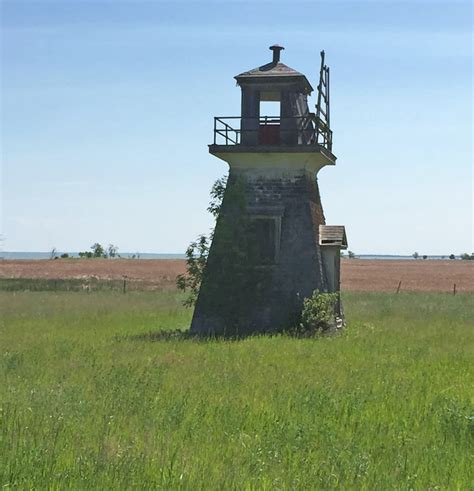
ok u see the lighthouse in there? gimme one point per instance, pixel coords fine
(271, 246)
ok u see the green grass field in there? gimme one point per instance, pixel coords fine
(90, 402)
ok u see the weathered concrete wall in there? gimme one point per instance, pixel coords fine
(238, 298)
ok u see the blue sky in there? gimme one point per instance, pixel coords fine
(107, 109)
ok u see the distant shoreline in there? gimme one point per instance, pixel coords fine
(31, 256)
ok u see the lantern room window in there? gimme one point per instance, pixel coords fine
(269, 125)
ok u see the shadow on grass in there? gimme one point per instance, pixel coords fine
(178, 335)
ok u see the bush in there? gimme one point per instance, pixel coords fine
(319, 313)
(86, 254)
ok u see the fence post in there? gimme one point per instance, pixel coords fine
(399, 285)
(124, 284)
(454, 289)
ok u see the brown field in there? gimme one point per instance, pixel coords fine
(420, 275)
(357, 274)
(150, 272)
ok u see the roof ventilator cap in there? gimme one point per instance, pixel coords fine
(276, 52)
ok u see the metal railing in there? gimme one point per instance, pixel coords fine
(272, 130)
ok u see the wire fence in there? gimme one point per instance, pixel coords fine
(123, 285)
(126, 284)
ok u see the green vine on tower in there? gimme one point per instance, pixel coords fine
(198, 250)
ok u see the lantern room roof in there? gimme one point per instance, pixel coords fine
(275, 71)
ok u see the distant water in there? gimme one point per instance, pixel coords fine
(408, 258)
(150, 255)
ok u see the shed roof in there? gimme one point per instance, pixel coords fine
(333, 235)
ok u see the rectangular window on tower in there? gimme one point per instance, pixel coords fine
(264, 240)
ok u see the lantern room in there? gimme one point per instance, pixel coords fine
(275, 111)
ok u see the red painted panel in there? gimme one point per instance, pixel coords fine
(269, 134)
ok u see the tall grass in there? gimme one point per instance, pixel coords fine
(86, 402)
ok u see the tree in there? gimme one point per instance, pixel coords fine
(112, 251)
(415, 255)
(351, 254)
(467, 257)
(53, 254)
(98, 250)
(198, 251)
(425, 256)
(196, 259)
(452, 256)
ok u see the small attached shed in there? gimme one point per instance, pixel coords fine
(332, 238)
